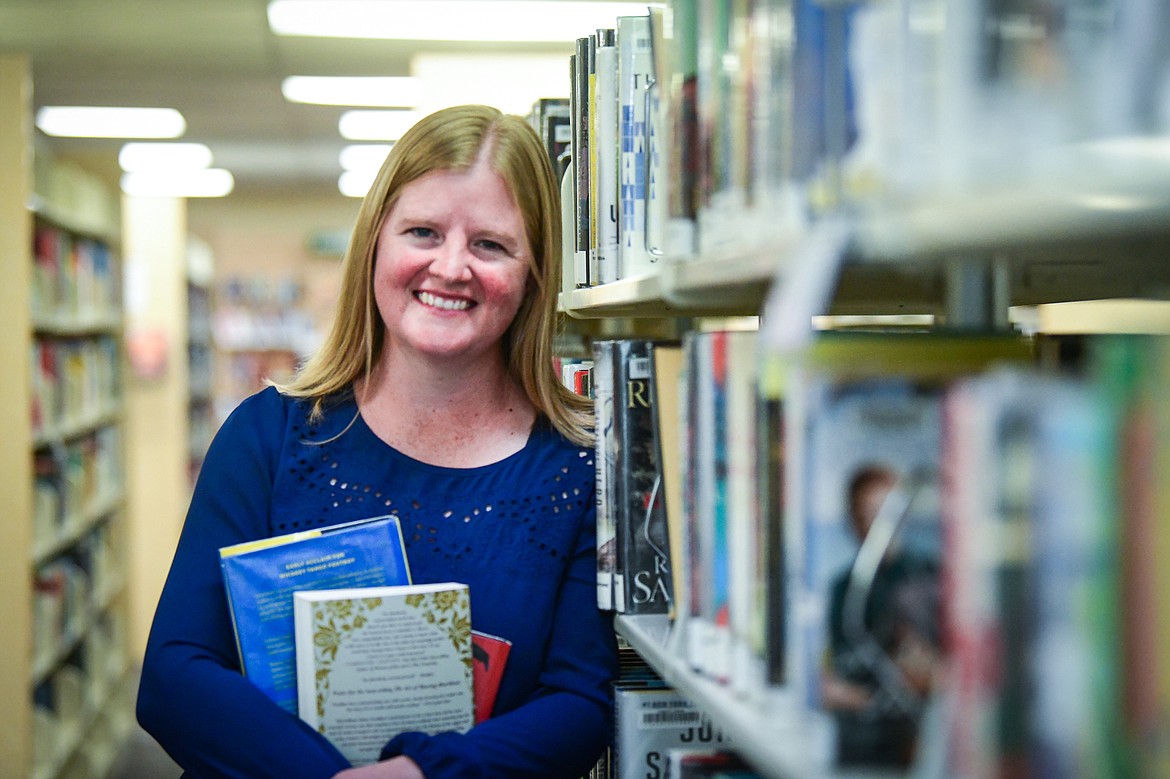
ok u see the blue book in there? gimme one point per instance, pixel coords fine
(261, 576)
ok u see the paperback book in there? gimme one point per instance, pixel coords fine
(261, 576)
(373, 662)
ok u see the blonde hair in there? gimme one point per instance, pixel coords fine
(453, 139)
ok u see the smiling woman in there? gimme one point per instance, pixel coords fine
(433, 398)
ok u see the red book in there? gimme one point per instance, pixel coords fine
(488, 654)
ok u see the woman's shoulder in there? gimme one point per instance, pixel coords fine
(271, 410)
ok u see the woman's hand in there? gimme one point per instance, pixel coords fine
(400, 767)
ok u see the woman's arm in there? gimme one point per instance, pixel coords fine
(192, 697)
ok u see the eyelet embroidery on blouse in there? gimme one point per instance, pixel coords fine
(522, 512)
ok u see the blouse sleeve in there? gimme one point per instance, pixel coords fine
(192, 697)
(564, 727)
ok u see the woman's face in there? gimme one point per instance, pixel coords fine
(451, 265)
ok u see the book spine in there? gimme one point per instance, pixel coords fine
(683, 161)
(635, 72)
(604, 443)
(641, 518)
(581, 140)
(606, 182)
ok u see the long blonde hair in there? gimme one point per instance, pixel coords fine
(452, 139)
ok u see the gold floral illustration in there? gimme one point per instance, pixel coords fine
(336, 620)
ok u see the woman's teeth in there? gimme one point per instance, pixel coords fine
(450, 305)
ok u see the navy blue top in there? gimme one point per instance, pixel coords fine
(520, 533)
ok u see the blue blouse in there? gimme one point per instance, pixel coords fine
(520, 533)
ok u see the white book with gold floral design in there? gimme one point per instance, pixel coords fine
(373, 662)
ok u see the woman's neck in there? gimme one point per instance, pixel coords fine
(456, 415)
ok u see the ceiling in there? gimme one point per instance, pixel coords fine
(216, 62)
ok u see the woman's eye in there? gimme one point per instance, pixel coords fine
(492, 246)
(421, 232)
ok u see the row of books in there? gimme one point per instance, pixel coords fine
(75, 482)
(74, 380)
(66, 703)
(74, 278)
(70, 592)
(707, 129)
(941, 554)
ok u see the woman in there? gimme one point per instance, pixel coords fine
(433, 398)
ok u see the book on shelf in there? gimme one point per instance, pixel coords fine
(372, 662)
(605, 446)
(720, 364)
(651, 719)
(864, 429)
(605, 151)
(1032, 560)
(666, 390)
(261, 576)
(582, 65)
(707, 763)
(642, 581)
(635, 74)
(550, 118)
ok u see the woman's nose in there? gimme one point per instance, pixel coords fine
(452, 262)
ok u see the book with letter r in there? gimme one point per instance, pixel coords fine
(642, 581)
(373, 662)
(261, 576)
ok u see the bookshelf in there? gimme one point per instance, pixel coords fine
(201, 424)
(1052, 223)
(67, 683)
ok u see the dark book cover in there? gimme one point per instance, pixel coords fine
(643, 574)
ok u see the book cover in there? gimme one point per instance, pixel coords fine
(604, 451)
(373, 662)
(261, 576)
(869, 600)
(643, 562)
(489, 655)
(635, 72)
(865, 442)
(650, 720)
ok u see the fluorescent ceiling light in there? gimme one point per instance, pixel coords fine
(210, 182)
(98, 122)
(366, 156)
(356, 183)
(164, 156)
(376, 125)
(560, 21)
(372, 91)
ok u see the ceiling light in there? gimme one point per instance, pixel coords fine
(373, 91)
(98, 122)
(376, 125)
(561, 21)
(209, 182)
(356, 183)
(366, 156)
(164, 156)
